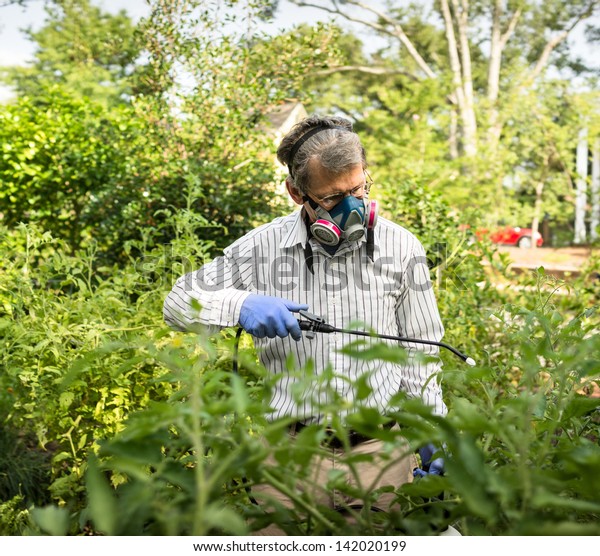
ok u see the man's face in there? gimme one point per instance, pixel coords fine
(328, 190)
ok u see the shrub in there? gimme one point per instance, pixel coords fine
(151, 426)
(59, 314)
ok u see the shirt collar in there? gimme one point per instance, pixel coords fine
(297, 234)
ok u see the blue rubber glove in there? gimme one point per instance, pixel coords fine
(263, 315)
(435, 467)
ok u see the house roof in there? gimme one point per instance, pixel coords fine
(286, 115)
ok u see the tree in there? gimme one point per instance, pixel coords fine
(443, 98)
(190, 149)
(81, 48)
(522, 37)
(67, 163)
(539, 142)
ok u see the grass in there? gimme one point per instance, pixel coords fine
(24, 468)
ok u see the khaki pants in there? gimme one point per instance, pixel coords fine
(384, 468)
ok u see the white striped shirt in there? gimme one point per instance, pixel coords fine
(392, 294)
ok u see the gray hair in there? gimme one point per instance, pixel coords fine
(337, 150)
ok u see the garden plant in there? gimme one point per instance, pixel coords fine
(113, 424)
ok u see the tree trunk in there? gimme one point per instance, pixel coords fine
(493, 84)
(464, 95)
(595, 191)
(493, 81)
(453, 138)
(461, 14)
(581, 190)
(498, 41)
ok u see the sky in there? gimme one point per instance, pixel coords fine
(15, 49)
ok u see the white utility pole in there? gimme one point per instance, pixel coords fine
(581, 192)
(595, 217)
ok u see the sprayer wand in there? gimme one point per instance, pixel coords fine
(315, 323)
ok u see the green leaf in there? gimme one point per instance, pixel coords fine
(556, 528)
(430, 486)
(66, 399)
(239, 394)
(363, 387)
(82, 442)
(546, 499)
(379, 351)
(225, 520)
(467, 472)
(306, 443)
(101, 499)
(51, 520)
(143, 451)
(467, 415)
(580, 405)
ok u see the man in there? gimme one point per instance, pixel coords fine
(337, 258)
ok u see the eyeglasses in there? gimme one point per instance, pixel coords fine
(330, 201)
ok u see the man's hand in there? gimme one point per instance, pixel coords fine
(263, 315)
(428, 467)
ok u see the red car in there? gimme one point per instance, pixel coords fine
(509, 235)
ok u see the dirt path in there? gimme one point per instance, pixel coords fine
(560, 259)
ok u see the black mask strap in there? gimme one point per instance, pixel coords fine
(311, 202)
(308, 257)
(306, 137)
(371, 244)
(308, 252)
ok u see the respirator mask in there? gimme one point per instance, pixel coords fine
(348, 220)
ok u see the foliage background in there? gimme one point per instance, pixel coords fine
(133, 152)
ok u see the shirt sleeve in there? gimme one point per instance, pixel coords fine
(418, 317)
(208, 298)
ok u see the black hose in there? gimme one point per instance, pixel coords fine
(323, 327)
(236, 349)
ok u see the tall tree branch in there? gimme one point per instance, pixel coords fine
(511, 27)
(469, 122)
(557, 39)
(453, 54)
(398, 32)
(393, 28)
(497, 46)
(18, 3)
(337, 11)
(372, 70)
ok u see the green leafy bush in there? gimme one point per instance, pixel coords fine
(58, 314)
(14, 519)
(521, 443)
(151, 425)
